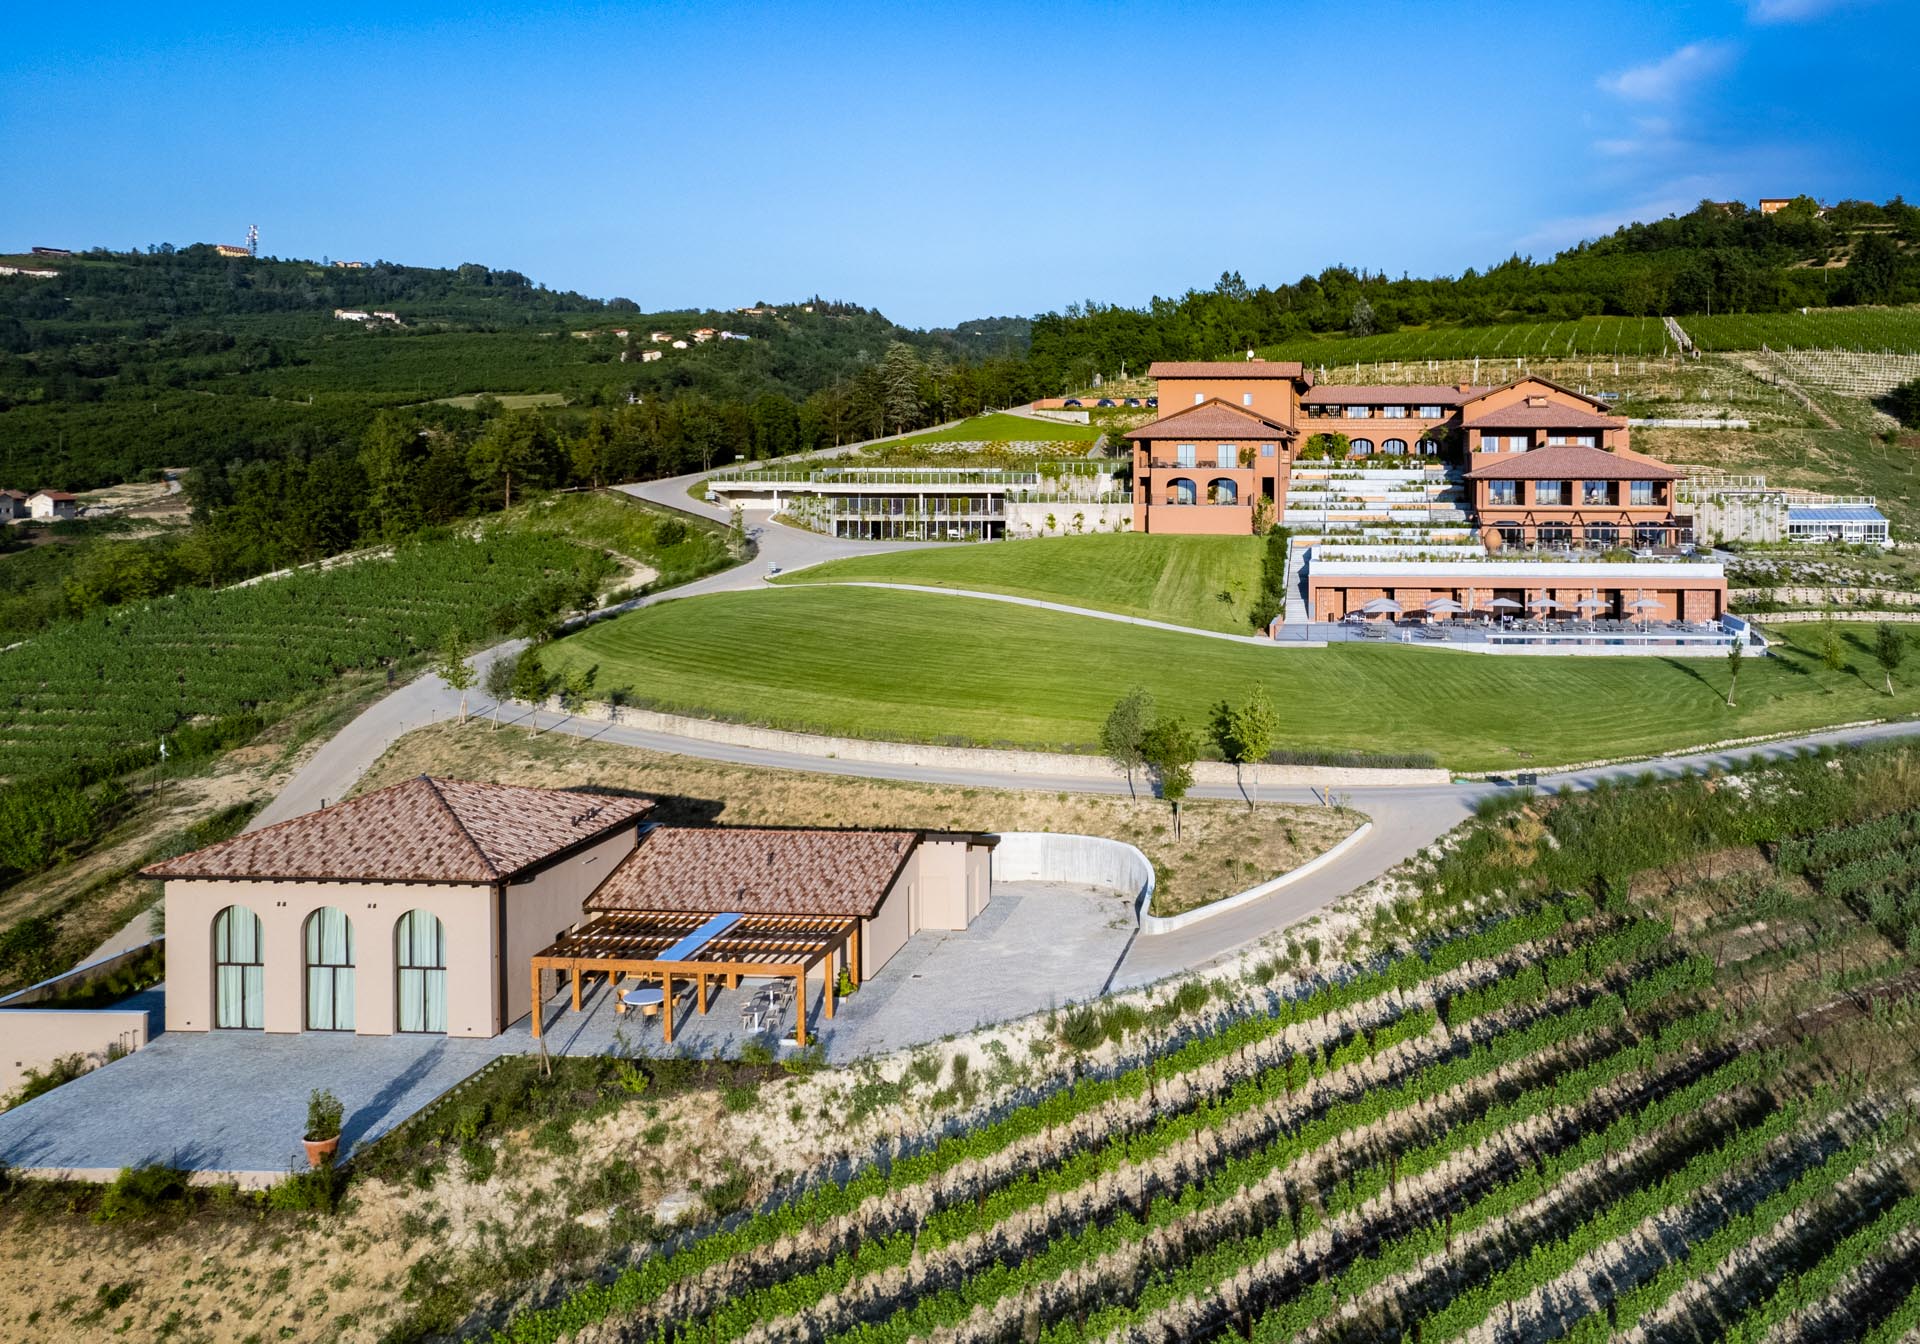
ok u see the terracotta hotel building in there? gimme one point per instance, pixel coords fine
(1552, 487)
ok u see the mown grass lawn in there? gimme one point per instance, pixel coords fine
(1209, 582)
(918, 667)
(996, 427)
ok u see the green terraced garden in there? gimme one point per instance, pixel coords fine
(1594, 336)
(1209, 582)
(918, 667)
(1866, 330)
(996, 427)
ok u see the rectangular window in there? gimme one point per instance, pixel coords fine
(1184, 455)
(1548, 492)
(1595, 492)
(1359, 412)
(1199, 397)
(1503, 492)
(1246, 398)
(1266, 450)
(1432, 413)
(1642, 493)
(1226, 456)
(1394, 412)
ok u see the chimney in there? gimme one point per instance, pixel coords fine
(1466, 387)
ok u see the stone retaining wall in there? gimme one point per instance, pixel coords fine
(1766, 618)
(1209, 773)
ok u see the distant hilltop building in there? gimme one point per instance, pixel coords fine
(30, 272)
(52, 252)
(350, 265)
(355, 315)
(1773, 205)
(758, 312)
(704, 334)
(660, 337)
(648, 356)
(231, 250)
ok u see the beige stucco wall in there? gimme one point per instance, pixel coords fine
(35, 1037)
(473, 1000)
(540, 910)
(943, 884)
(892, 924)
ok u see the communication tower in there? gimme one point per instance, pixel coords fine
(253, 240)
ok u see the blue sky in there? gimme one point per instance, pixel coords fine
(937, 162)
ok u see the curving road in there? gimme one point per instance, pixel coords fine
(1406, 819)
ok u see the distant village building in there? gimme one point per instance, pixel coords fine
(29, 272)
(679, 345)
(704, 334)
(48, 504)
(1773, 205)
(13, 505)
(351, 315)
(387, 317)
(230, 250)
(52, 252)
(660, 337)
(350, 265)
(758, 312)
(734, 336)
(648, 356)
(620, 333)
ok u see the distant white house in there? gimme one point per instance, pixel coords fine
(660, 337)
(29, 272)
(679, 345)
(13, 505)
(352, 315)
(620, 333)
(387, 317)
(53, 504)
(734, 336)
(648, 356)
(704, 334)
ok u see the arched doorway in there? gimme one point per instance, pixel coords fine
(421, 954)
(239, 976)
(1222, 491)
(1360, 447)
(329, 966)
(1180, 491)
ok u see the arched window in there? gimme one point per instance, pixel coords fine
(1555, 534)
(329, 965)
(1360, 447)
(1511, 534)
(1398, 447)
(1180, 491)
(421, 955)
(239, 977)
(1603, 534)
(1222, 491)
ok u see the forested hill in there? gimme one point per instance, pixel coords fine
(1720, 257)
(125, 362)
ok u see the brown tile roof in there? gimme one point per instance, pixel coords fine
(1522, 416)
(420, 830)
(1535, 380)
(1211, 419)
(54, 494)
(1571, 462)
(1391, 394)
(1226, 368)
(757, 871)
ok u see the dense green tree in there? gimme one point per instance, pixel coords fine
(1123, 736)
(515, 447)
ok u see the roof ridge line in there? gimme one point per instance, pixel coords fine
(433, 787)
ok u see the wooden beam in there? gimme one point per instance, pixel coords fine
(536, 1000)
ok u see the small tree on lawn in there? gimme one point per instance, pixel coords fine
(453, 668)
(1123, 736)
(1735, 652)
(1170, 750)
(1244, 733)
(1889, 650)
(530, 679)
(1833, 654)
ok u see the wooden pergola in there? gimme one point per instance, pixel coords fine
(618, 943)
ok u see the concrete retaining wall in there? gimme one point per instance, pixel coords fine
(1151, 924)
(72, 981)
(1209, 773)
(1083, 860)
(35, 1037)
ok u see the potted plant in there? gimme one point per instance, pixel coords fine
(322, 1140)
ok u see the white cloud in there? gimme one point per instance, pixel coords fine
(1671, 75)
(1651, 135)
(1791, 11)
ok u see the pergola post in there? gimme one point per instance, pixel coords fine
(853, 953)
(536, 1000)
(700, 978)
(666, 1005)
(800, 1015)
(576, 987)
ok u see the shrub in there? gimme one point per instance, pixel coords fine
(142, 1192)
(39, 1082)
(316, 1191)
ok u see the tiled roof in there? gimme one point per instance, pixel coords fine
(1552, 416)
(1225, 368)
(421, 830)
(1535, 380)
(1571, 462)
(757, 871)
(1391, 394)
(54, 494)
(1211, 419)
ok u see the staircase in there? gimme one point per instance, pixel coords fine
(1378, 504)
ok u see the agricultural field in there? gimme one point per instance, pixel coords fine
(1865, 330)
(1615, 1068)
(908, 667)
(999, 427)
(1586, 336)
(1210, 582)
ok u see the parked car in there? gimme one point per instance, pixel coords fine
(1071, 401)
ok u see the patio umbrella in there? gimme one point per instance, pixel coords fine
(1542, 602)
(1590, 604)
(1444, 604)
(1382, 606)
(1643, 604)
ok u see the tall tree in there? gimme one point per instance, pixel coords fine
(515, 447)
(1889, 650)
(900, 372)
(1170, 750)
(453, 667)
(1123, 736)
(1245, 733)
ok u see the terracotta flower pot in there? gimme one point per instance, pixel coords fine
(321, 1151)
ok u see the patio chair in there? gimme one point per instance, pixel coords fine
(647, 999)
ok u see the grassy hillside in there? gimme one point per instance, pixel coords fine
(1210, 582)
(916, 667)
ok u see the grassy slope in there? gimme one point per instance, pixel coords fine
(997, 427)
(906, 666)
(1203, 581)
